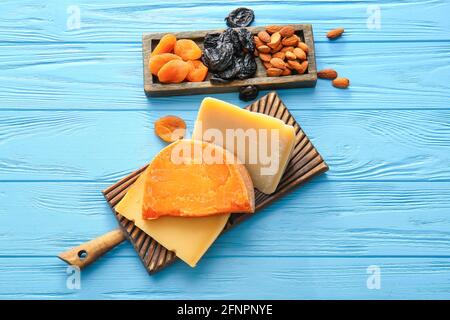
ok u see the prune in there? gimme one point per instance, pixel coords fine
(246, 39)
(248, 93)
(211, 40)
(231, 36)
(219, 58)
(216, 79)
(240, 17)
(247, 67)
(232, 71)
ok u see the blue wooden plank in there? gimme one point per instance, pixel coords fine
(109, 77)
(356, 220)
(114, 20)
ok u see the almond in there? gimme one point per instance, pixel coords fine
(275, 40)
(303, 67)
(267, 65)
(272, 29)
(285, 49)
(287, 31)
(278, 63)
(327, 74)
(265, 57)
(277, 49)
(264, 49)
(300, 54)
(280, 55)
(290, 55)
(290, 41)
(274, 72)
(258, 42)
(335, 33)
(264, 36)
(294, 64)
(303, 46)
(286, 72)
(341, 83)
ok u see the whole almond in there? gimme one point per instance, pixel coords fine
(303, 46)
(303, 67)
(285, 49)
(278, 63)
(300, 54)
(286, 72)
(327, 74)
(280, 55)
(275, 40)
(290, 55)
(287, 31)
(267, 65)
(274, 72)
(264, 49)
(341, 83)
(258, 42)
(265, 57)
(290, 41)
(273, 28)
(335, 33)
(277, 49)
(264, 36)
(294, 64)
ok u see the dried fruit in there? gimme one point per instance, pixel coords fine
(277, 63)
(174, 71)
(187, 50)
(300, 54)
(264, 49)
(274, 72)
(341, 83)
(287, 31)
(156, 62)
(248, 93)
(198, 71)
(280, 55)
(275, 40)
(247, 67)
(220, 57)
(170, 128)
(273, 29)
(246, 39)
(327, 74)
(290, 55)
(165, 45)
(335, 33)
(240, 17)
(264, 36)
(265, 57)
(303, 46)
(290, 41)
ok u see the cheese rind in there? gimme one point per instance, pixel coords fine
(267, 141)
(189, 238)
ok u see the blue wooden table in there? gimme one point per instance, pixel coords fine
(74, 119)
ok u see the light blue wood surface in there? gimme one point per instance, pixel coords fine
(74, 118)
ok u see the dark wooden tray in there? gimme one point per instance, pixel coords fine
(305, 163)
(153, 88)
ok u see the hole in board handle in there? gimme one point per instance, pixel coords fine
(82, 254)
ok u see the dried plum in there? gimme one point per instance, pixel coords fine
(247, 67)
(219, 58)
(246, 39)
(231, 36)
(240, 17)
(216, 79)
(211, 40)
(248, 93)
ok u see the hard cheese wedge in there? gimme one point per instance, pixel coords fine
(267, 142)
(189, 238)
(192, 178)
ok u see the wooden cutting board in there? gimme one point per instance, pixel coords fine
(305, 163)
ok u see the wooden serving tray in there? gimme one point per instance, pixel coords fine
(305, 163)
(153, 88)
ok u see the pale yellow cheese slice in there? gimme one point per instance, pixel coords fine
(189, 238)
(216, 117)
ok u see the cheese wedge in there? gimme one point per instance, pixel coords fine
(192, 178)
(189, 238)
(261, 142)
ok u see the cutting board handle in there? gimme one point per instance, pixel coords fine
(88, 252)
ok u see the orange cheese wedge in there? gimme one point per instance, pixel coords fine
(191, 178)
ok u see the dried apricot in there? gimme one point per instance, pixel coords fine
(156, 62)
(198, 71)
(170, 128)
(187, 50)
(165, 45)
(174, 71)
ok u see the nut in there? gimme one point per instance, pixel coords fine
(290, 55)
(280, 55)
(335, 33)
(278, 63)
(267, 65)
(274, 72)
(290, 41)
(300, 54)
(285, 49)
(275, 40)
(265, 57)
(294, 64)
(303, 67)
(341, 83)
(286, 72)
(277, 49)
(264, 49)
(303, 46)
(264, 36)
(273, 28)
(327, 74)
(287, 31)
(258, 42)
